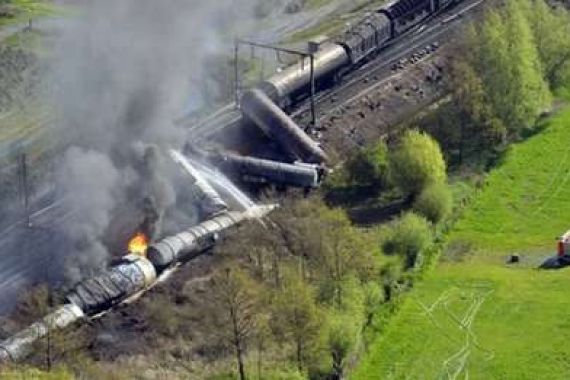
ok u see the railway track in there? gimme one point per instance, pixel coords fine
(357, 84)
(230, 115)
(436, 28)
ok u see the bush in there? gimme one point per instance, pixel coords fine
(409, 236)
(369, 167)
(342, 336)
(161, 316)
(417, 163)
(59, 373)
(435, 202)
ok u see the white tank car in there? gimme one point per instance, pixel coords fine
(252, 169)
(274, 122)
(18, 346)
(282, 86)
(188, 244)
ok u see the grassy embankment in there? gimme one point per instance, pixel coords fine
(336, 23)
(19, 11)
(474, 316)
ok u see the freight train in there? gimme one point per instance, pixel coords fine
(265, 105)
(358, 44)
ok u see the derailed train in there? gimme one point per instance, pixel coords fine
(264, 105)
(128, 278)
(132, 275)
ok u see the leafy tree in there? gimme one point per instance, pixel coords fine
(390, 275)
(505, 56)
(417, 163)
(343, 254)
(551, 28)
(262, 337)
(369, 167)
(324, 241)
(235, 295)
(342, 335)
(434, 202)
(531, 93)
(479, 127)
(409, 236)
(490, 59)
(372, 298)
(297, 318)
(261, 246)
(161, 316)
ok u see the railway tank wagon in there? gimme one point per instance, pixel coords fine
(182, 247)
(126, 278)
(284, 87)
(17, 346)
(259, 170)
(274, 122)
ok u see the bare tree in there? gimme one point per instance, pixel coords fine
(235, 295)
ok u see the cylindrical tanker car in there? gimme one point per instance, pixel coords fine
(257, 170)
(273, 121)
(18, 346)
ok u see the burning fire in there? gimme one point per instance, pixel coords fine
(138, 244)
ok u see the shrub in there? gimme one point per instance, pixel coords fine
(342, 336)
(59, 373)
(369, 167)
(409, 236)
(435, 202)
(417, 163)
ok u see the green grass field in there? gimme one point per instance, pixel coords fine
(474, 317)
(23, 10)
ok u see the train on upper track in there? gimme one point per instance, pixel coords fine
(357, 45)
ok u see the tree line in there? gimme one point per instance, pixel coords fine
(505, 72)
(310, 281)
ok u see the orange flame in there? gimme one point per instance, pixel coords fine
(138, 244)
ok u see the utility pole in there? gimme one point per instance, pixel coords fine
(313, 89)
(236, 72)
(25, 192)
